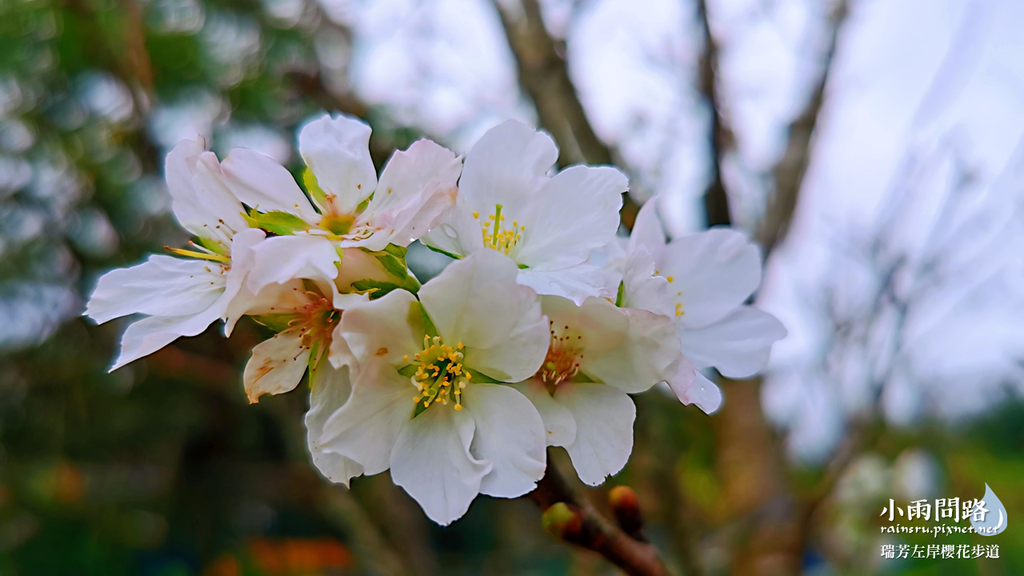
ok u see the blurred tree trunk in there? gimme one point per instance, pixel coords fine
(773, 524)
(751, 468)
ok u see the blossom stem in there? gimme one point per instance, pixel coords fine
(598, 534)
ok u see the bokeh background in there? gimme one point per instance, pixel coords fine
(873, 147)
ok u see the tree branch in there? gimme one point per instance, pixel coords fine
(596, 533)
(716, 200)
(543, 75)
(788, 174)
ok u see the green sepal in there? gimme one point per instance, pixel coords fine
(213, 246)
(276, 222)
(315, 356)
(377, 288)
(315, 371)
(418, 409)
(446, 253)
(523, 266)
(392, 258)
(362, 205)
(480, 377)
(420, 321)
(313, 187)
(275, 322)
(621, 293)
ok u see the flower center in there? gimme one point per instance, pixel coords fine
(314, 322)
(562, 360)
(495, 235)
(440, 376)
(337, 225)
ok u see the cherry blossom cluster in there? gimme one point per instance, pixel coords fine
(534, 336)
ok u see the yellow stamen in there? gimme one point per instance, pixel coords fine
(440, 374)
(201, 255)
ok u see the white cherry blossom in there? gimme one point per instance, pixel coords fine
(303, 316)
(547, 225)
(598, 354)
(350, 208)
(427, 399)
(457, 386)
(703, 280)
(183, 296)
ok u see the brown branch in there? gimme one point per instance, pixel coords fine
(596, 533)
(788, 174)
(716, 199)
(543, 75)
(137, 59)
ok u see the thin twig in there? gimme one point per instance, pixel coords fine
(633, 557)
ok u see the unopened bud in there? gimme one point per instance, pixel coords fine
(626, 506)
(563, 522)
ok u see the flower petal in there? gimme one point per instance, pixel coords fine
(572, 214)
(597, 324)
(576, 282)
(381, 329)
(642, 289)
(509, 435)
(145, 336)
(260, 182)
(162, 286)
(276, 366)
(604, 429)
(559, 425)
(737, 345)
(415, 189)
(507, 166)
(713, 272)
(456, 232)
(611, 259)
(476, 301)
(200, 199)
(243, 258)
(691, 387)
(365, 428)
(337, 150)
(329, 390)
(648, 233)
(284, 258)
(432, 462)
(643, 357)
(339, 353)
